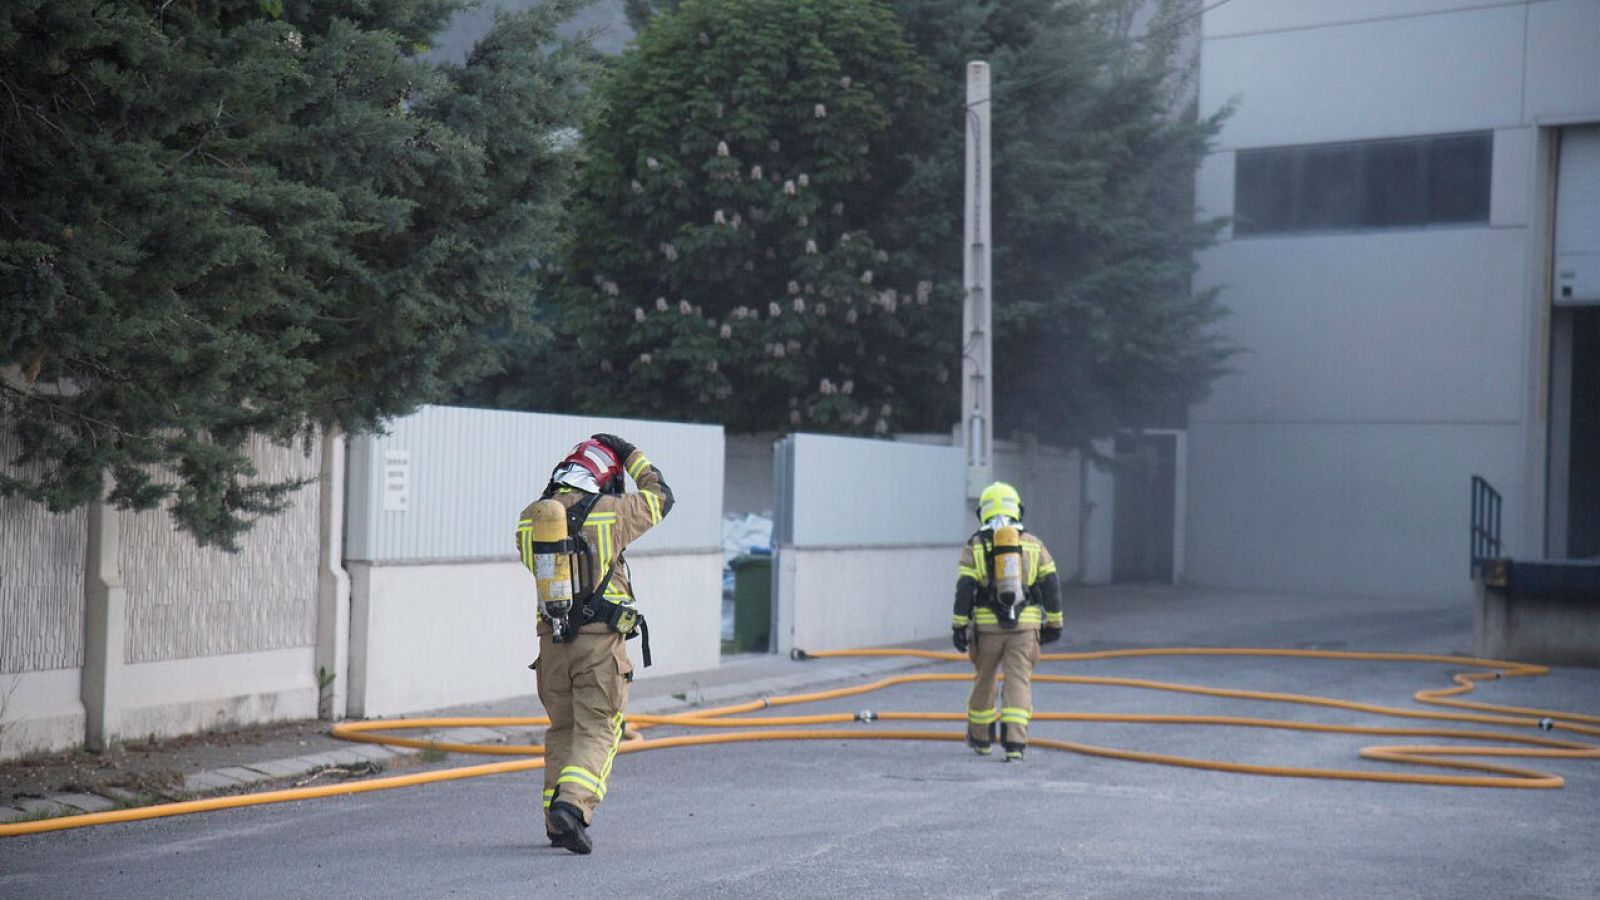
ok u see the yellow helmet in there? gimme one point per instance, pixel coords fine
(999, 499)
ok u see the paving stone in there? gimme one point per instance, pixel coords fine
(89, 803)
(349, 756)
(121, 795)
(243, 775)
(375, 753)
(326, 759)
(34, 806)
(283, 768)
(199, 782)
(11, 813)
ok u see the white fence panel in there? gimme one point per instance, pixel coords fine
(868, 537)
(447, 483)
(852, 492)
(442, 613)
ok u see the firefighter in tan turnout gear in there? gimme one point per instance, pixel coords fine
(572, 540)
(1008, 602)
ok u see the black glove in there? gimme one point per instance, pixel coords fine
(958, 636)
(1049, 634)
(616, 445)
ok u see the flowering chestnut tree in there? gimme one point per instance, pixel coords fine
(725, 259)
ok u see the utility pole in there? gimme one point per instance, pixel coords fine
(977, 372)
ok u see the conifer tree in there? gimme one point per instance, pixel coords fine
(1096, 141)
(228, 218)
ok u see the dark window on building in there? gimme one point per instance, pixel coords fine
(1264, 193)
(1368, 184)
(1458, 179)
(1330, 188)
(1396, 193)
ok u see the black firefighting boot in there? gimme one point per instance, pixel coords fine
(982, 748)
(571, 833)
(1014, 751)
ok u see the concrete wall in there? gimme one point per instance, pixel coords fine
(1383, 367)
(203, 639)
(430, 636)
(868, 536)
(438, 610)
(1051, 482)
(216, 639)
(41, 624)
(442, 613)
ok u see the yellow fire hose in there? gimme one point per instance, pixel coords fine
(798, 728)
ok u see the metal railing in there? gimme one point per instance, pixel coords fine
(1485, 523)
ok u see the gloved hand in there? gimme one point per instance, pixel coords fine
(958, 636)
(616, 445)
(1049, 634)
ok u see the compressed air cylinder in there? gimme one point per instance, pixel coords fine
(552, 567)
(1008, 568)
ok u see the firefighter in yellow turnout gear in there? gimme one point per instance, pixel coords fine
(586, 613)
(1008, 603)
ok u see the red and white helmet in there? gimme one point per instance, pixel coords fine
(588, 467)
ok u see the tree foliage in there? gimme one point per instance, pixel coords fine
(229, 218)
(1095, 146)
(1096, 142)
(727, 258)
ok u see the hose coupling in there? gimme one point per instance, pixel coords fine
(866, 715)
(1546, 723)
(799, 655)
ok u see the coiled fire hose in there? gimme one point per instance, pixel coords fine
(1457, 757)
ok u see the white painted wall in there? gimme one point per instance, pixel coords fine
(214, 693)
(1562, 81)
(854, 598)
(870, 555)
(40, 712)
(1375, 509)
(1400, 326)
(428, 636)
(1382, 368)
(1385, 77)
(441, 611)
(1050, 481)
(471, 471)
(855, 492)
(1245, 17)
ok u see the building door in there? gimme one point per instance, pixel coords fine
(1146, 522)
(1572, 525)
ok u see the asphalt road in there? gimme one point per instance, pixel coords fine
(893, 819)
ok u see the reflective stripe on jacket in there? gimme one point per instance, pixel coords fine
(616, 521)
(972, 606)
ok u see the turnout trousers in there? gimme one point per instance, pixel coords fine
(1014, 652)
(583, 685)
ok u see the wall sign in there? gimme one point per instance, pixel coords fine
(396, 480)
